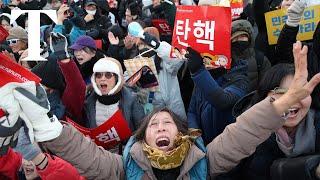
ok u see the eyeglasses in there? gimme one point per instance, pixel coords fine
(13, 41)
(108, 75)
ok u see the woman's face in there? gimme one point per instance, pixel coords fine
(29, 169)
(82, 56)
(161, 131)
(6, 25)
(297, 111)
(105, 81)
(17, 45)
(286, 3)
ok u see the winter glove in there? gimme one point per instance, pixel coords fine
(28, 150)
(94, 33)
(195, 61)
(11, 118)
(35, 105)
(151, 40)
(295, 12)
(78, 21)
(59, 46)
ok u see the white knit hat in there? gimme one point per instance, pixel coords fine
(108, 64)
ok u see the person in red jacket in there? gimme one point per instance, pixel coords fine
(48, 167)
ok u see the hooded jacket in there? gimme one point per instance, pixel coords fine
(258, 64)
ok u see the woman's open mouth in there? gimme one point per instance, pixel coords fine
(162, 142)
(293, 112)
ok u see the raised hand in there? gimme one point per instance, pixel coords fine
(112, 39)
(59, 46)
(300, 87)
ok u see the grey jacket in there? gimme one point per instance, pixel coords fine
(238, 140)
(131, 109)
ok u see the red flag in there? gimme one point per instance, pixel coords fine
(3, 34)
(206, 29)
(162, 26)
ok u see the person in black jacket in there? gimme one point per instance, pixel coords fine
(288, 37)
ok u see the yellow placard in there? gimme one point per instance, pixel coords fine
(308, 24)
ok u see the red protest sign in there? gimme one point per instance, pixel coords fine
(236, 8)
(206, 29)
(162, 26)
(110, 133)
(10, 71)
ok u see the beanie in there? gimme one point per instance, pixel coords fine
(18, 33)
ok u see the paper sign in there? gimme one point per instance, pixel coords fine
(208, 32)
(162, 26)
(110, 133)
(236, 8)
(10, 71)
(308, 24)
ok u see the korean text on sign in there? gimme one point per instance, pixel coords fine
(206, 32)
(276, 19)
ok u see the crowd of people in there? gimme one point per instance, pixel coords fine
(260, 119)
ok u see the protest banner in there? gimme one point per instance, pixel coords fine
(276, 19)
(162, 26)
(110, 133)
(10, 71)
(236, 8)
(206, 29)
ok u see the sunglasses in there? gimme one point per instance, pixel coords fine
(108, 75)
(12, 41)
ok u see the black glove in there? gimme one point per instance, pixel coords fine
(59, 46)
(94, 33)
(151, 40)
(79, 22)
(195, 61)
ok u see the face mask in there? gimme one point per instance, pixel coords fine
(240, 46)
(93, 12)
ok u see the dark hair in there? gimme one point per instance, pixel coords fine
(271, 80)
(181, 125)
(4, 18)
(135, 9)
(89, 50)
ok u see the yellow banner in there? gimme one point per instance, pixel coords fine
(308, 24)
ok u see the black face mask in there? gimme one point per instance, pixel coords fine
(148, 54)
(240, 46)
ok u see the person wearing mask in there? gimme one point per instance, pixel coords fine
(165, 150)
(215, 93)
(242, 48)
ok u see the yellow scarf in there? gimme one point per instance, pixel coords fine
(172, 159)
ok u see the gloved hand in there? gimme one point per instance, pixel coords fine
(295, 12)
(195, 61)
(151, 40)
(10, 118)
(28, 150)
(78, 21)
(35, 106)
(59, 46)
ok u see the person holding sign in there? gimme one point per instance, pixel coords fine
(261, 7)
(166, 149)
(288, 36)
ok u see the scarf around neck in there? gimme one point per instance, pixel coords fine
(303, 141)
(172, 159)
(109, 99)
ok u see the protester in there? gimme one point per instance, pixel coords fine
(215, 93)
(237, 142)
(17, 40)
(288, 36)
